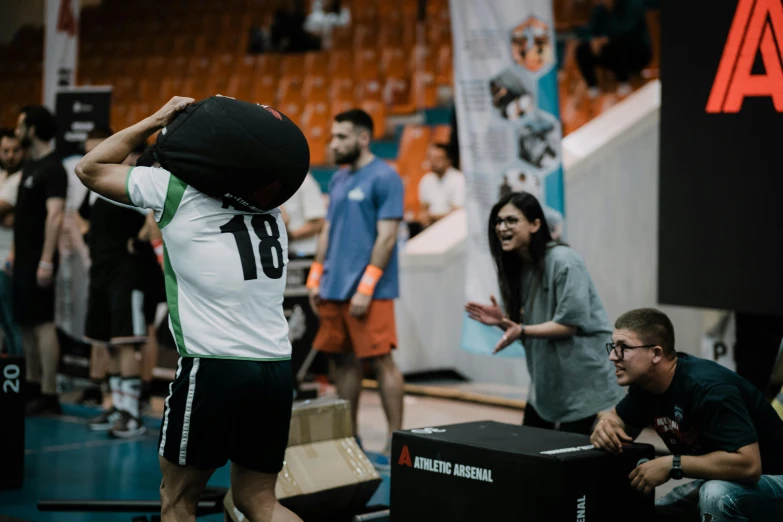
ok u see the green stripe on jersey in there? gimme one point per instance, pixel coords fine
(174, 195)
(172, 297)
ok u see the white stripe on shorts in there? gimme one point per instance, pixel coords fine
(137, 313)
(166, 409)
(183, 445)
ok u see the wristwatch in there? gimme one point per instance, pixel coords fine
(676, 471)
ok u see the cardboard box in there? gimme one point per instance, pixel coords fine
(316, 420)
(502, 472)
(321, 480)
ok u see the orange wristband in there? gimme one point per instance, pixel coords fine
(157, 246)
(372, 274)
(314, 278)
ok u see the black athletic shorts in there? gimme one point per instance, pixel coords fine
(224, 409)
(116, 311)
(32, 304)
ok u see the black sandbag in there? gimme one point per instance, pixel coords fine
(251, 154)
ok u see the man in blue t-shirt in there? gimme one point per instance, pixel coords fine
(719, 428)
(353, 281)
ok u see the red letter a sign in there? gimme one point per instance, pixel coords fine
(405, 457)
(65, 20)
(750, 34)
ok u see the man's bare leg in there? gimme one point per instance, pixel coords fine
(254, 496)
(390, 386)
(32, 359)
(347, 374)
(180, 491)
(49, 352)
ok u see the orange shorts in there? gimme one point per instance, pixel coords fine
(372, 335)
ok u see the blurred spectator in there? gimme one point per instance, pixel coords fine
(620, 43)
(37, 222)
(304, 216)
(11, 156)
(325, 16)
(287, 33)
(442, 190)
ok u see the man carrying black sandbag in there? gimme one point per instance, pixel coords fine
(225, 265)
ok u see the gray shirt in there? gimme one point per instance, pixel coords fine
(571, 378)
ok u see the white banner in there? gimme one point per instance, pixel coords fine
(505, 79)
(61, 48)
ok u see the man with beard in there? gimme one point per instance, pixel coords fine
(353, 281)
(37, 223)
(11, 156)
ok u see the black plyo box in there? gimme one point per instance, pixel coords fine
(501, 472)
(12, 412)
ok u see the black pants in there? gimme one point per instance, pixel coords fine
(582, 426)
(617, 56)
(758, 342)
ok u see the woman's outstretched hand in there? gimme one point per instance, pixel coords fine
(491, 315)
(513, 332)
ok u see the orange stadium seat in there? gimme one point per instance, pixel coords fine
(413, 153)
(376, 110)
(315, 125)
(244, 66)
(155, 67)
(267, 64)
(340, 63)
(265, 90)
(170, 86)
(240, 87)
(342, 87)
(149, 88)
(316, 64)
(341, 105)
(222, 65)
(292, 65)
(441, 134)
(315, 89)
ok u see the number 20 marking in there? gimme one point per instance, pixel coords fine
(11, 373)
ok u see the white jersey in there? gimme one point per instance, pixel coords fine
(225, 270)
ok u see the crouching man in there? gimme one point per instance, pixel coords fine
(720, 429)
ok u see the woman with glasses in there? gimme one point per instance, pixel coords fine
(551, 305)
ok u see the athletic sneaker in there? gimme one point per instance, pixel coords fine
(46, 404)
(382, 461)
(92, 396)
(127, 427)
(105, 420)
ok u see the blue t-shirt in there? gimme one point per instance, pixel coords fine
(357, 201)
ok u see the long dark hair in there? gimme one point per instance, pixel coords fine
(509, 264)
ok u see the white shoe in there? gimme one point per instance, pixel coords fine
(127, 427)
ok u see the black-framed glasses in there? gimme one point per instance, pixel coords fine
(510, 221)
(619, 349)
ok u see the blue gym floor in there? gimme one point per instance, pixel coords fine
(64, 460)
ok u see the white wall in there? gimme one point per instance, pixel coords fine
(611, 167)
(611, 183)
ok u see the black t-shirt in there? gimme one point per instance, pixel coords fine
(708, 408)
(41, 179)
(111, 226)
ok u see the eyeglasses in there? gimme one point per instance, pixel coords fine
(619, 349)
(510, 221)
